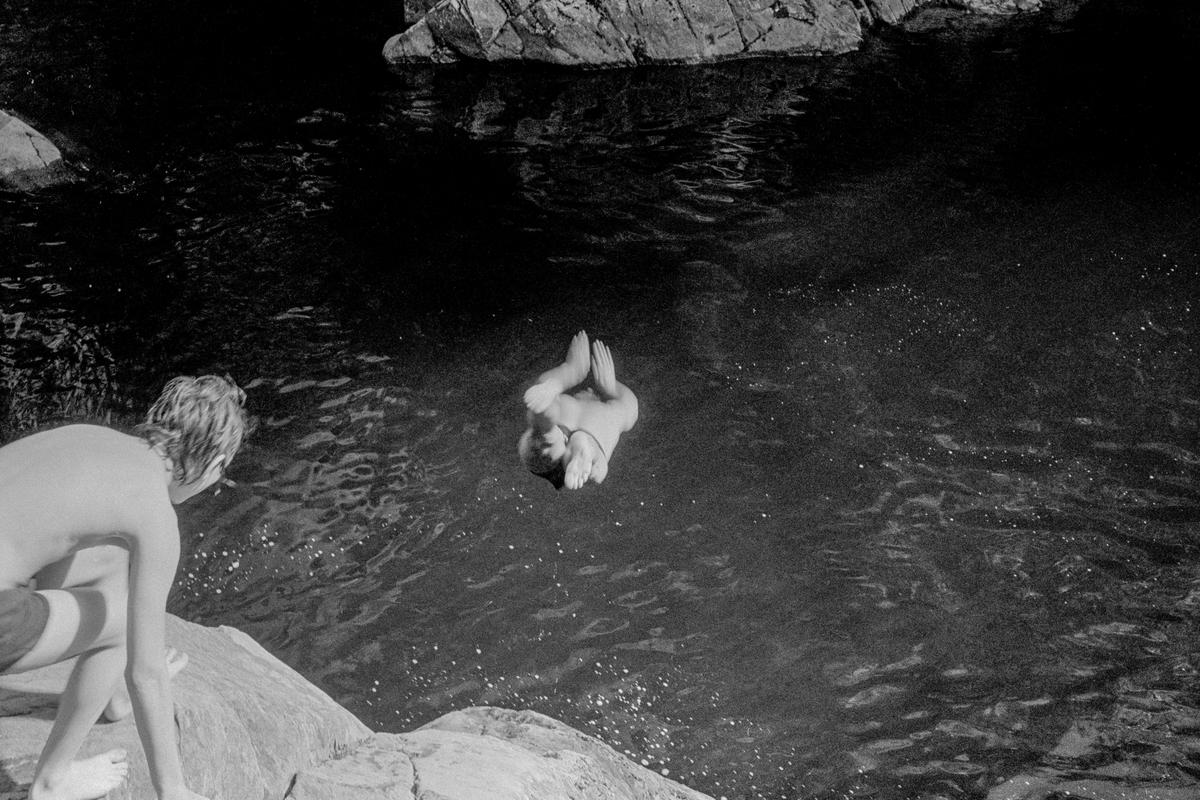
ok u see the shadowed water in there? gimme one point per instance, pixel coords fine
(914, 333)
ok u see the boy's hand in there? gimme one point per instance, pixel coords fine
(604, 374)
(540, 396)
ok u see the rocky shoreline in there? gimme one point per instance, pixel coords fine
(250, 726)
(625, 33)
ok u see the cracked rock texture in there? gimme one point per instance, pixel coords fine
(487, 754)
(28, 160)
(251, 727)
(618, 33)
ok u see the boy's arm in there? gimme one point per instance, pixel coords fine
(562, 410)
(542, 421)
(153, 558)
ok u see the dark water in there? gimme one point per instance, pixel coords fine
(914, 330)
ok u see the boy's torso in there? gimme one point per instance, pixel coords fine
(67, 489)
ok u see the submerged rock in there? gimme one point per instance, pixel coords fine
(1139, 750)
(252, 727)
(618, 33)
(28, 160)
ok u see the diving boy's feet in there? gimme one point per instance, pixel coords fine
(604, 374)
(119, 707)
(87, 779)
(577, 355)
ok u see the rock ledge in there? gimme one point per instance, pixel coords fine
(252, 727)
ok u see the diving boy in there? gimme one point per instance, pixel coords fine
(87, 512)
(571, 437)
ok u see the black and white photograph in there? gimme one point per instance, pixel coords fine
(599, 400)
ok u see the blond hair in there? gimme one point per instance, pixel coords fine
(194, 421)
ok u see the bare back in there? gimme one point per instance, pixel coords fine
(69, 488)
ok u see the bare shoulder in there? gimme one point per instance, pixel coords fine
(75, 487)
(79, 464)
(79, 447)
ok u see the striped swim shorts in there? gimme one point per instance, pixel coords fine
(23, 616)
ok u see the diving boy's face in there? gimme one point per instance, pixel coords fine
(553, 445)
(542, 451)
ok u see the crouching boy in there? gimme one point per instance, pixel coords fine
(89, 544)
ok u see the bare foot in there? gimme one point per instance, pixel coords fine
(577, 355)
(119, 707)
(604, 374)
(89, 779)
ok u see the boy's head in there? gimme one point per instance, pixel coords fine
(196, 421)
(544, 454)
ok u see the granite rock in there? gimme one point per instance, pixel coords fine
(499, 754)
(618, 33)
(486, 754)
(416, 9)
(28, 160)
(248, 723)
(1000, 6)
(251, 727)
(629, 32)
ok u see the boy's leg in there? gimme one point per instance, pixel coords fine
(106, 567)
(81, 623)
(552, 383)
(87, 594)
